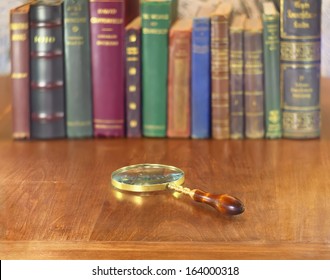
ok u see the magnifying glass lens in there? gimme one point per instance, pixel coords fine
(146, 177)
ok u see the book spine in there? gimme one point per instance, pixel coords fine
(200, 79)
(78, 88)
(179, 84)
(132, 10)
(300, 68)
(20, 74)
(220, 76)
(156, 20)
(107, 31)
(236, 84)
(133, 83)
(271, 41)
(47, 68)
(253, 82)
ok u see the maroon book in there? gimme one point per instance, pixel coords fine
(107, 27)
(20, 74)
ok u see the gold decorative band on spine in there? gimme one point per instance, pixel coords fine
(301, 51)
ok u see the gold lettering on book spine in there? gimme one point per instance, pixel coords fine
(100, 20)
(301, 15)
(19, 26)
(154, 31)
(44, 39)
(19, 37)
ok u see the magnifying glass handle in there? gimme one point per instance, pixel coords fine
(224, 203)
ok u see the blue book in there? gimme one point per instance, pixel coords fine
(201, 78)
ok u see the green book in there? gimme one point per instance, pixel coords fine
(271, 41)
(157, 17)
(77, 69)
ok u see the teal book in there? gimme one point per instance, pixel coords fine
(156, 17)
(271, 41)
(77, 69)
(300, 68)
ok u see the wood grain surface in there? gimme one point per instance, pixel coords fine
(56, 201)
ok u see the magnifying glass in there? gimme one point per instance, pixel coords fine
(146, 178)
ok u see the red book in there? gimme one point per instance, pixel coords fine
(178, 117)
(107, 27)
(20, 74)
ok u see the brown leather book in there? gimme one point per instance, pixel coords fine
(237, 77)
(253, 79)
(220, 22)
(178, 117)
(132, 8)
(20, 72)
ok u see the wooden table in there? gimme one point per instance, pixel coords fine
(56, 201)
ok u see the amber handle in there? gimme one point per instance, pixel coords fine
(224, 203)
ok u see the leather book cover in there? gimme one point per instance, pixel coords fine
(132, 10)
(107, 29)
(156, 21)
(254, 79)
(300, 68)
(47, 70)
(133, 79)
(78, 87)
(179, 82)
(237, 77)
(271, 44)
(201, 76)
(20, 71)
(220, 22)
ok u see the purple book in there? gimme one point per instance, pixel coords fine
(107, 22)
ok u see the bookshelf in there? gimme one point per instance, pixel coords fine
(56, 202)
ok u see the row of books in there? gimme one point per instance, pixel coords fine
(94, 71)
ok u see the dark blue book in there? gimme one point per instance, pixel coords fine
(300, 68)
(200, 77)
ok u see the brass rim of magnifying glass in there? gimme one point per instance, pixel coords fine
(145, 188)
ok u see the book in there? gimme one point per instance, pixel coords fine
(179, 83)
(47, 70)
(107, 31)
(277, 4)
(271, 45)
(156, 21)
(133, 78)
(237, 76)
(253, 78)
(20, 71)
(300, 68)
(201, 76)
(78, 87)
(220, 22)
(132, 10)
